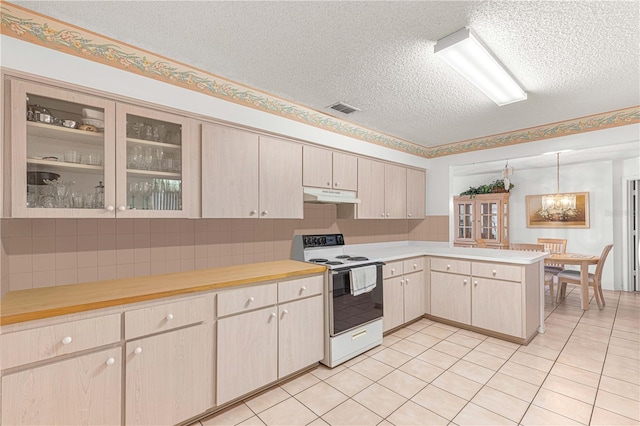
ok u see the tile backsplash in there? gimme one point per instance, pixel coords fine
(48, 252)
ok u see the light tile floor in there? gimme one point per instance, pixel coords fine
(584, 370)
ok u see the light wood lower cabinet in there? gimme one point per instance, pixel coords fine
(496, 305)
(247, 353)
(497, 297)
(404, 292)
(451, 297)
(261, 346)
(85, 390)
(169, 376)
(300, 335)
(393, 305)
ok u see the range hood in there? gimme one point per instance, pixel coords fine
(329, 196)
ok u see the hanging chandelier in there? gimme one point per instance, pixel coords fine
(558, 207)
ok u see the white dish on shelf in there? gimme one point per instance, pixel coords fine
(93, 114)
(93, 122)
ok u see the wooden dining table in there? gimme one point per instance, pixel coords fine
(584, 260)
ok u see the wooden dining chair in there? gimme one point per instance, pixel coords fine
(595, 279)
(548, 276)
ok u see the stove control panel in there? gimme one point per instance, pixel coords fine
(329, 240)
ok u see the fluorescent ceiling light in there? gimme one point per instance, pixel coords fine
(467, 55)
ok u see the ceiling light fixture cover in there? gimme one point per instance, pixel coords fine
(467, 55)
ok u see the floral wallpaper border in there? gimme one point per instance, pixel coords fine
(26, 25)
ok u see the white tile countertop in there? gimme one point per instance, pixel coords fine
(403, 249)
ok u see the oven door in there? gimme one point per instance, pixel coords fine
(347, 312)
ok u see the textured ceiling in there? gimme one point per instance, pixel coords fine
(573, 58)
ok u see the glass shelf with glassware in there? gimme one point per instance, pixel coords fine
(154, 194)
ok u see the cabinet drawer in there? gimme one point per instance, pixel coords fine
(392, 269)
(497, 271)
(303, 287)
(23, 347)
(413, 265)
(247, 299)
(454, 266)
(142, 322)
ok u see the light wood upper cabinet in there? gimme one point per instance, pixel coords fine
(245, 175)
(371, 186)
(280, 179)
(85, 390)
(169, 376)
(229, 172)
(416, 194)
(345, 171)
(79, 158)
(395, 191)
(131, 165)
(323, 168)
(388, 191)
(153, 150)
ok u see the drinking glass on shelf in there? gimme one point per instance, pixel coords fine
(148, 157)
(133, 189)
(159, 154)
(145, 191)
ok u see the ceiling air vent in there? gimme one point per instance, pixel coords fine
(343, 108)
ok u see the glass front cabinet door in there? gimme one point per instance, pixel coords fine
(484, 217)
(59, 166)
(153, 180)
(76, 155)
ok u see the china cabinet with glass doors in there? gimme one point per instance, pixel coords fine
(75, 155)
(481, 220)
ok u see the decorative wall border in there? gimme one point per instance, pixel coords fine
(45, 31)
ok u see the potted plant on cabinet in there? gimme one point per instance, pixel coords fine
(496, 186)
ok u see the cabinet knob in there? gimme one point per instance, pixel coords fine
(337, 183)
(265, 212)
(253, 212)
(111, 361)
(273, 315)
(494, 272)
(406, 281)
(448, 266)
(475, 283)
(121, 208)
(303, 288)
(409, 215)
(251, 299)
(387, 214)
(328, 183)
(110, 208)
(401, 282)
(67, 340)
(285, 311)
(169, 317)
(138, 350)
(464, 282)
(382, 215)
(393, 271)
(415, 266)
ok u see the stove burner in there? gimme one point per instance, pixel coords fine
(357, 258)
(334, 262)
(343, 256)
(319, 260)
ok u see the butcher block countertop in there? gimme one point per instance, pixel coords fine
(40, 303)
